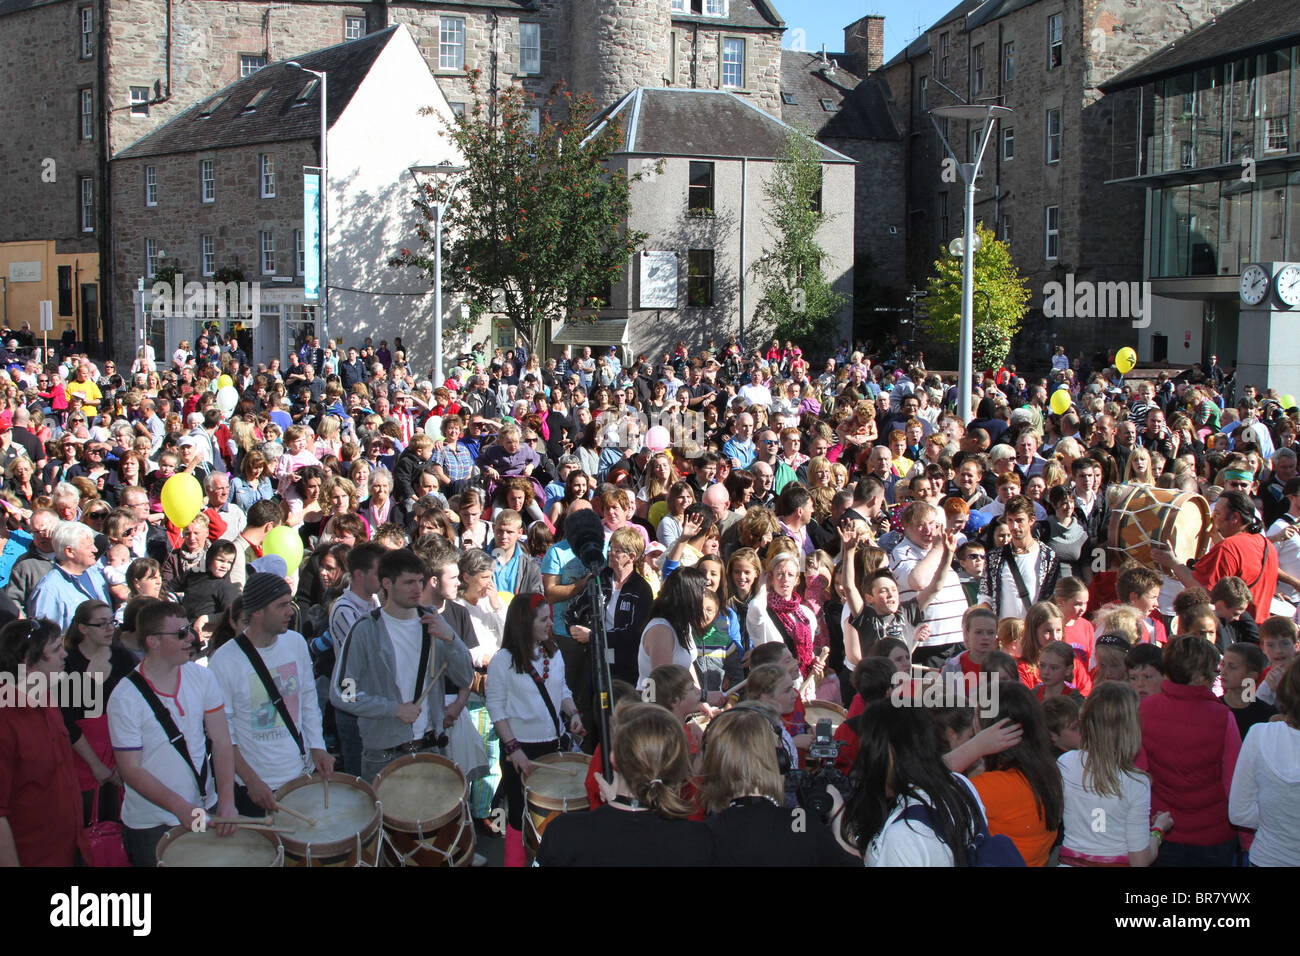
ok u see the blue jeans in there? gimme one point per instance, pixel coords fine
(1185, 854)
(142, 845)
(349, 741)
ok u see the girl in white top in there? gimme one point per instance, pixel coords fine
(514, 700)
(902, 767)
(1265, 791)
(676, 613)
(1107, 818)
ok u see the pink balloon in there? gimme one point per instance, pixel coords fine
(657, 439)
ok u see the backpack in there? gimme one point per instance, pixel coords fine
(986, 850)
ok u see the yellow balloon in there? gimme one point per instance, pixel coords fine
(285, 542)
(1125, 359)
(224, 381)
(1061, 401)
(1288, 402)
(182, 499)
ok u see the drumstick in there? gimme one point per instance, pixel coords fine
(294, 813)
(824, 656)
(250, 824)
(326, 778)
(434, 680)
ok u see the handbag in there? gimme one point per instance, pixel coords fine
(104, 838)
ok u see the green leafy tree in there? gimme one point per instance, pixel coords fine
(1000, 303)
(535, 229)
(797, 299)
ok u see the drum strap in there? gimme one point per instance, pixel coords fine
(174, 736)
(546, 699)
(1020, 581)
(273, 692)
(1263, 564)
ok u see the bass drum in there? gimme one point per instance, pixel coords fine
(1142, 516)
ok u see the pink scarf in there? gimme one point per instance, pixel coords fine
(796, 625)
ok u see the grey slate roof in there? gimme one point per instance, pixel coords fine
(860, 113)
(992, 9)
(659, 121)
(740, 13)
(1255, 26)
(275, 118)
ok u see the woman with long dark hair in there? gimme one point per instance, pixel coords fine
(1021, 786)
(908, 808)
(530, 704)
(675, 615)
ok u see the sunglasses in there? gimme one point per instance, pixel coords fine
(184, 634)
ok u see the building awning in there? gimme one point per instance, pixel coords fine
(602, 332)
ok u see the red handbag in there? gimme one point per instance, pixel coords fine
(105, 839)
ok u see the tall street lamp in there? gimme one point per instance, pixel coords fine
(443, 177)
(969, 172)
(324, 199)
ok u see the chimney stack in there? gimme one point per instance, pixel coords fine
(865, 39)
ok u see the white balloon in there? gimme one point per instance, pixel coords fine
(433, 427)
(227, 399)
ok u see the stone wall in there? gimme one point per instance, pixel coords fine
(865, 39)
(40, 121)
(1101, 227)
(618, 45)
(234, 219)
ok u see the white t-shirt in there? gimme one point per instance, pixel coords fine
(1011, 605)
(407, 637)
(683, 656)
(1288, 556)
(1104, 826)
(944, 612)
(911, 843)
(133, 726)
(256, 727)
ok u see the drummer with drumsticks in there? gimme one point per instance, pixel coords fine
(391, 670)
(1244, 552)
(266, 678)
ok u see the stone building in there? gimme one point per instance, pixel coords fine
(704, 213)
(1208, 131)
(219, 190)
(107, 72)
(1043, 186)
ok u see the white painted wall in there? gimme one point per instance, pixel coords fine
(372, 145)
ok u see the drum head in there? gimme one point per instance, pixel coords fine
(353, 810)
(816, 710)
(183, 847)
(1190, 528)
(559, 782)
(420, 792)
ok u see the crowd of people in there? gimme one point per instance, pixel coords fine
(783, 539)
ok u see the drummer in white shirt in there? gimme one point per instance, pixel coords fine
(268, 752)
(1285, 533)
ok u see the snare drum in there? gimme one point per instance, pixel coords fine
(815, 710)
(181, 846)
(1141, 516)
(346, 834)
(426, 812)
(558, 784)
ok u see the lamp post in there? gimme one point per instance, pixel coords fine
(443, 176)
(969, 172)
(324, 199)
